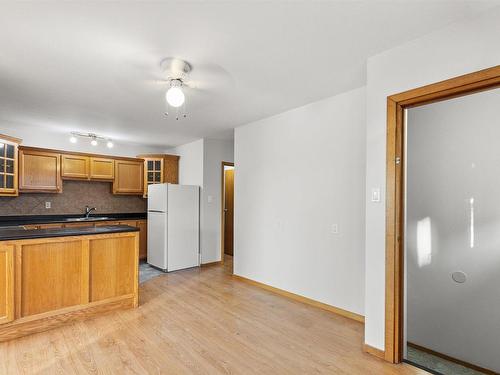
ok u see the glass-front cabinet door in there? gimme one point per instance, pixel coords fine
(153, 173)
(8, 166)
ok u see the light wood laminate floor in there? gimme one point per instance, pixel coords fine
(201, 322)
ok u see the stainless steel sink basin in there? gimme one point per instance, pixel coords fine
(79, 219)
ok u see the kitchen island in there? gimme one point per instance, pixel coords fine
(49, 277)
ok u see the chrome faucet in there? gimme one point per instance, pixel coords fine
(88, 210)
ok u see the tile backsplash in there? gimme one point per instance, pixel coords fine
(75, 196)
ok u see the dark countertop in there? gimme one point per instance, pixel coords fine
(6, 221)
(18, 233)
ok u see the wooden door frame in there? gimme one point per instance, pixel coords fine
(222, 222)
(394, 237)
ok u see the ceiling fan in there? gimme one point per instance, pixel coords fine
(178, 76)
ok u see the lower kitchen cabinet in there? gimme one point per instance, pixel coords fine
(6, 283)
(143, 235)
(143, 238)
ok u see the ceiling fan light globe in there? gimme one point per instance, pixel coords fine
(175, 97)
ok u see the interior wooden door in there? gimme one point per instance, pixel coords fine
(228, 210)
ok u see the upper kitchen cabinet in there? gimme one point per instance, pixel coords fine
(85, 167)
(8, 165)
(160, 168)
(75, 167)
(102, 169)
(129, 177)
(39, 170)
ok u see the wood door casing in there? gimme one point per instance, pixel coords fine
(6, 283)
(228, 211)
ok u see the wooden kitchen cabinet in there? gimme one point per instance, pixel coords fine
(60, 279)
(159, 169)
(142, 224)
(129, 177)
(6, 283)
(39, 171)
(75, 167)
(102, 169)
(143, 238)
(8, 166)
(113, 269)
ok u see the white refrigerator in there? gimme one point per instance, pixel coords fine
(173, 226)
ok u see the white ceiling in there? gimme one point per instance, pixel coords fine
(92, 66)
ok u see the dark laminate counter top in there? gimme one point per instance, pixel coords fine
(6, 221)
(18, 233)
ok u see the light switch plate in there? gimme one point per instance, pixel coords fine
(210, 199)
(375, 194)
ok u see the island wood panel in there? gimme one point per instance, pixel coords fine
(6, 283)
(75, 167)
(102, 169)
(24, 278)
(113, 267)
(52, 276)
(39, 171)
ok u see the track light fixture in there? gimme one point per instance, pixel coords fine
(94, 138)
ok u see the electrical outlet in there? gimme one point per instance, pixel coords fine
(48, 205)
(335, 229)
(210, 199)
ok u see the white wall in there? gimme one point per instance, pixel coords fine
(215, 152)
(200, 164)
(45, 138)
(458, 49)
(296, 174)
(190, 162)
(453, 157)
